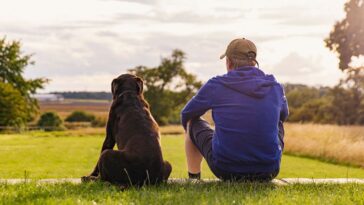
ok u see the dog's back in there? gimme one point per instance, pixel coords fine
(136, 131)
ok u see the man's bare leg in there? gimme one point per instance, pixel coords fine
(193, 155)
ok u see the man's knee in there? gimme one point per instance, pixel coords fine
(190, 125)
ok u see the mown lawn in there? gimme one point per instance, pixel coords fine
(209, 193)
(56, 155)
(66, 154)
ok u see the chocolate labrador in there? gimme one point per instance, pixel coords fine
(138, 159)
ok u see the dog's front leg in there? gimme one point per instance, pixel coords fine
(109, 143)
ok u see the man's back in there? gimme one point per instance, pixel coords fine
(247, 106)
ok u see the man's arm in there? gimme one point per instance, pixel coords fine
(198, 105)
(284, 109)
(282, 118)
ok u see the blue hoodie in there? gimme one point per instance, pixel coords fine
(247, 106)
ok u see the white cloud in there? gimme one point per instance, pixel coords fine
(309, 70)
(136, 1)
(89, 82)
(73, 39)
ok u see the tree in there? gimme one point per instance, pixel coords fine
(347, 37)
(309, 104)
(316, 111)
(298, 94)
(348, 98)
(12, 65)
(347, 40)
(11, 113)
(168, 87)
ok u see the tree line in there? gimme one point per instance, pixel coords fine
(85, 95)
(324, 105)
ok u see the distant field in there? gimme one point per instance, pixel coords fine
(99, 108)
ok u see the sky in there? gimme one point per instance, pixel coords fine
(81, 45)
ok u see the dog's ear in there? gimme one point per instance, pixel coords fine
(139, 85)
(113, 87)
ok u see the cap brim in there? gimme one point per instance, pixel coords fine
(223, 56)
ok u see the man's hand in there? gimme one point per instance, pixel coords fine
(187, 131)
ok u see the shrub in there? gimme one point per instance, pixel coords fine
(99, 122)
(50, 121)
(76, 125)
(80, 116)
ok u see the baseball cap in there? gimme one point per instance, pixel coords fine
(240, 48)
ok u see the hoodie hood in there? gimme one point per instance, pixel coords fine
(248, 80)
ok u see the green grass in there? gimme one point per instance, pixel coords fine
(56, 155)
(209, 193)
(65, 154)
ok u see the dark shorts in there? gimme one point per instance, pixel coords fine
(201, 135)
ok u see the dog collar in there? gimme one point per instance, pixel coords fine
(123, 93)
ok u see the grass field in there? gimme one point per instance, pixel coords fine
(212, 193)
(73, 154)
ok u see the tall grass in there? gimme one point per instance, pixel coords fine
(343, 144)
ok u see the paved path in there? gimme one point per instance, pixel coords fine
(283, 181)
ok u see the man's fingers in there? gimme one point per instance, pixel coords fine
(188, 127)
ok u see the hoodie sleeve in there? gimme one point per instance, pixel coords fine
(198, 105)
(284, 108)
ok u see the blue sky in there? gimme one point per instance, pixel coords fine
(83, 44)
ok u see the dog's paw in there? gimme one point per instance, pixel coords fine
(122, 187)
(167, 169)
(88, 178)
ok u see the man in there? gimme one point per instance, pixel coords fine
(248, 109)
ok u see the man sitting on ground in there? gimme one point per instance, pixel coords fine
(248, 109)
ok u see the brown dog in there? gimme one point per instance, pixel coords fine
(133, 129)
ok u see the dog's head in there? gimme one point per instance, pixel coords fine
(126, 82)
